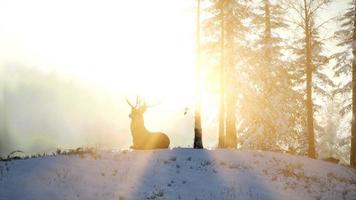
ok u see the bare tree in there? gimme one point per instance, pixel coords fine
(198, 143)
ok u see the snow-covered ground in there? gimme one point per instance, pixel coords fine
(175, 174)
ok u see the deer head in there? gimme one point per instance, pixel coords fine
(139, 108)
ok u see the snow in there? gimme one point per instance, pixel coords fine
(175, 174)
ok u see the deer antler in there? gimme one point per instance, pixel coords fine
(137, 102)
(129, 103)
(141, 103)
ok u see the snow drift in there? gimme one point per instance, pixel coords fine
(175, 174)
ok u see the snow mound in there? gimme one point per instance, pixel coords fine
(176, 174)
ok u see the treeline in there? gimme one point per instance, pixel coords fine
(285, 74)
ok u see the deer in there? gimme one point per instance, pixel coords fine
(142, 138)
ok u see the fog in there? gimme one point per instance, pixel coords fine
(42, 111)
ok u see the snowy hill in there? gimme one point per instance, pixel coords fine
(175, 174)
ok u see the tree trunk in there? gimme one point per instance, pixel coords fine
(270, 133)
(221, 143)
(198, 143)
(231, 138)
(353, 126)
(309, 104)
(268, 32)
(309, 73)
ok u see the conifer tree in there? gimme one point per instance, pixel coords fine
(346, 66)
(224, 32)
(270, 107)
(311, 59)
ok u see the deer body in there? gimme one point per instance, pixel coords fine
(142, 138)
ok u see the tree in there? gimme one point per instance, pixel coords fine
(198, 143)
(269, 106)
(309, 51)
(4, 135)
(329, 144)
(224, 32)
(345, 65)
(220, 5)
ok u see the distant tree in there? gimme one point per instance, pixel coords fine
(346, 66)
(329, 143)
(309, 52)
(4, 135)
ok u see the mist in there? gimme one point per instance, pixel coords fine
(42, 111)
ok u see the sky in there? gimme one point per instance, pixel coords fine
(128, 48)
(108, 43)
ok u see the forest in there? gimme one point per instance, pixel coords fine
(198, 99)
(281, 72)
(286, 68)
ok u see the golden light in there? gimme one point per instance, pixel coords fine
(131, 47)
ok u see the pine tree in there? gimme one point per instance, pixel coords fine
(224, 29)
(345, 65)
(233, 16)
(309, 52)
(329, 144)
(269, 107)
(220, 5)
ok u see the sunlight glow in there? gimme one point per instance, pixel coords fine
(127, 48)
(144, 50)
